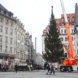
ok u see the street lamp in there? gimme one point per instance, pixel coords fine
(35, 49)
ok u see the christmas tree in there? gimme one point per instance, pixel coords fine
(53, 46)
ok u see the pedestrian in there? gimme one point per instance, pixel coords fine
(52, 69)
(31, 67)
(48, 69)
(16, 68)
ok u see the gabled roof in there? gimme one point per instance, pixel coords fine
(61, 21)
(3, 8)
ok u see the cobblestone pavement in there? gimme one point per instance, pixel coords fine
(38, 74)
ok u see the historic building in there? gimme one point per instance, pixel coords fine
(29, 49)
(76, 29)
(7, 36)
(20, 42)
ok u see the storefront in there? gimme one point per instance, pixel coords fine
(7, 59)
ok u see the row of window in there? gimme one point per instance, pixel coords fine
(6, 12)
(20, 55)
(6, 22)
(6, 49)
(6, 30)
(64, 31)
(6, 40)
(65, 38)
(69, 17)
(20, 38)
(20, 46)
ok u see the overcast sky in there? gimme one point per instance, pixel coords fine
(35, 14)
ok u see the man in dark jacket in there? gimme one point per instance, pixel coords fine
(48, 69)
(16, 68)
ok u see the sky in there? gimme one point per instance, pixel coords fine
(35, 15)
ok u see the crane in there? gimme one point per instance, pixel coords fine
(70, 63)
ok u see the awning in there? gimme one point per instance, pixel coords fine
(4, 55)
(12, 55)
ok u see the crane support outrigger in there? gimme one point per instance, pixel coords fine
(70, 63)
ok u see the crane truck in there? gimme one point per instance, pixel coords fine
(69, 63)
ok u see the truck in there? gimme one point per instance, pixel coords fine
(69, 63)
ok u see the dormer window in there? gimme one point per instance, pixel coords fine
(10, 14)
(0, 9)
(73, 17)
(67, 17)
(4, 12)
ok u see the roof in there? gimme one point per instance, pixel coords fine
(61, 21)
(3, 8)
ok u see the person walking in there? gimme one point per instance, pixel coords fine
(52, 69)
(16, 68)
(31, 67)
(48, 69)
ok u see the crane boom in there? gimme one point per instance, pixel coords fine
(72, 52)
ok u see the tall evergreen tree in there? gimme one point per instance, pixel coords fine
(53, 46)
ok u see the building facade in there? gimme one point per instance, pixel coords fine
(76, 29)
(15, 45)
(20, 42)
(7, 35)
(29, 48)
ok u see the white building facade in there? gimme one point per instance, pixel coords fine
(7, 29)
(20, 42)
(63, 37)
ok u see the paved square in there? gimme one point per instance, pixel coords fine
(38, 74)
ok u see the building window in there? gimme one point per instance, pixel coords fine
(7, 21)
(6, 30)
(72, 16)
(22, 39)
(68, 46)
(1, 28)
(77, 36)
(72, 38)
(6, 39)
(11, 32)
(10, 14)
(18, 36)
(72, 31)
(0, 9)
(61, 31)
(4, 12)
(65, 31)
(77, 28)
(0, 48)
(1, 19)
(11, 24)
(77, 43)
(11, 40)
(62, 17)
(77, 51)
(0, 38)
(17, 54)
(61, 38)
(67, 17)
(10, 49)
(65, 38)
(6, 49)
